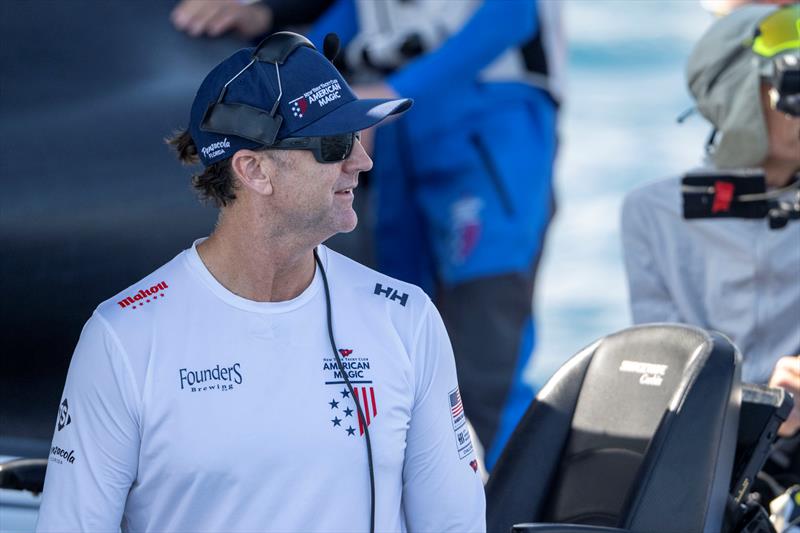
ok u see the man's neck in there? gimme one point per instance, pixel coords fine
(779, 174)
(254, 264)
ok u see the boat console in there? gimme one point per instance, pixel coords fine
(646, 430)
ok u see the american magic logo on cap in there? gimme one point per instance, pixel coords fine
(322, 94)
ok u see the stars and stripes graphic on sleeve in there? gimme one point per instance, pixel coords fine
(365, 396)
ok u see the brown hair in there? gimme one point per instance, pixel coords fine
(216, 183)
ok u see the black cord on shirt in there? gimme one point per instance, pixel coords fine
(361, 417)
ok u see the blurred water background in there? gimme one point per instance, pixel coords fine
(625, 88)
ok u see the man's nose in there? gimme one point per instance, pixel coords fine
(358, 161)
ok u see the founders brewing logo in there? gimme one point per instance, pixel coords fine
(218, 378)
(342, 405)
(63, 415)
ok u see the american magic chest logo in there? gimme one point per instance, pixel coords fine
(343, 405)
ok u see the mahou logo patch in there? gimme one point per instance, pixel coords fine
(144, 296)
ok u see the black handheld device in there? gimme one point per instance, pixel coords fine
(763, 410)
(742, 194)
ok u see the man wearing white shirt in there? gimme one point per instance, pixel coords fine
(260, 381)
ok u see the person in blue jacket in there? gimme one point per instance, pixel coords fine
(463, 186)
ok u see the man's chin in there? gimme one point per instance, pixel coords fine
(346, 225)
(350, 227)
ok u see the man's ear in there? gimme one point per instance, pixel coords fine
(254, 171)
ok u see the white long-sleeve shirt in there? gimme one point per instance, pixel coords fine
(732, 275)
(189, 408)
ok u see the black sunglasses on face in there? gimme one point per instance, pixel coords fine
(327, 149)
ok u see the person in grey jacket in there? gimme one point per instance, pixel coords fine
(734, 275)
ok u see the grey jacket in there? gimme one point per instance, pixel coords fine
(734, 276)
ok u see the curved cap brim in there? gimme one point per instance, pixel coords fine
(354, 116)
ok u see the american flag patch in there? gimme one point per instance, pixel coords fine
(460, 429)
(456, 407)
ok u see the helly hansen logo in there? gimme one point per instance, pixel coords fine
(391, 293)
(144, 296)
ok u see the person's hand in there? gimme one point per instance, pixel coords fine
(216, 17)
(366, 92)
(786, 375)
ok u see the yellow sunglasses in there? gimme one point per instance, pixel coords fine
(778, 32)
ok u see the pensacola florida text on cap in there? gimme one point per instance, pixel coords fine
(281, 88)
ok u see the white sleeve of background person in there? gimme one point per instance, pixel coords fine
(441, 489)
(94, 455)
(650, 300)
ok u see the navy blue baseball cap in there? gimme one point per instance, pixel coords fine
(312, 98)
